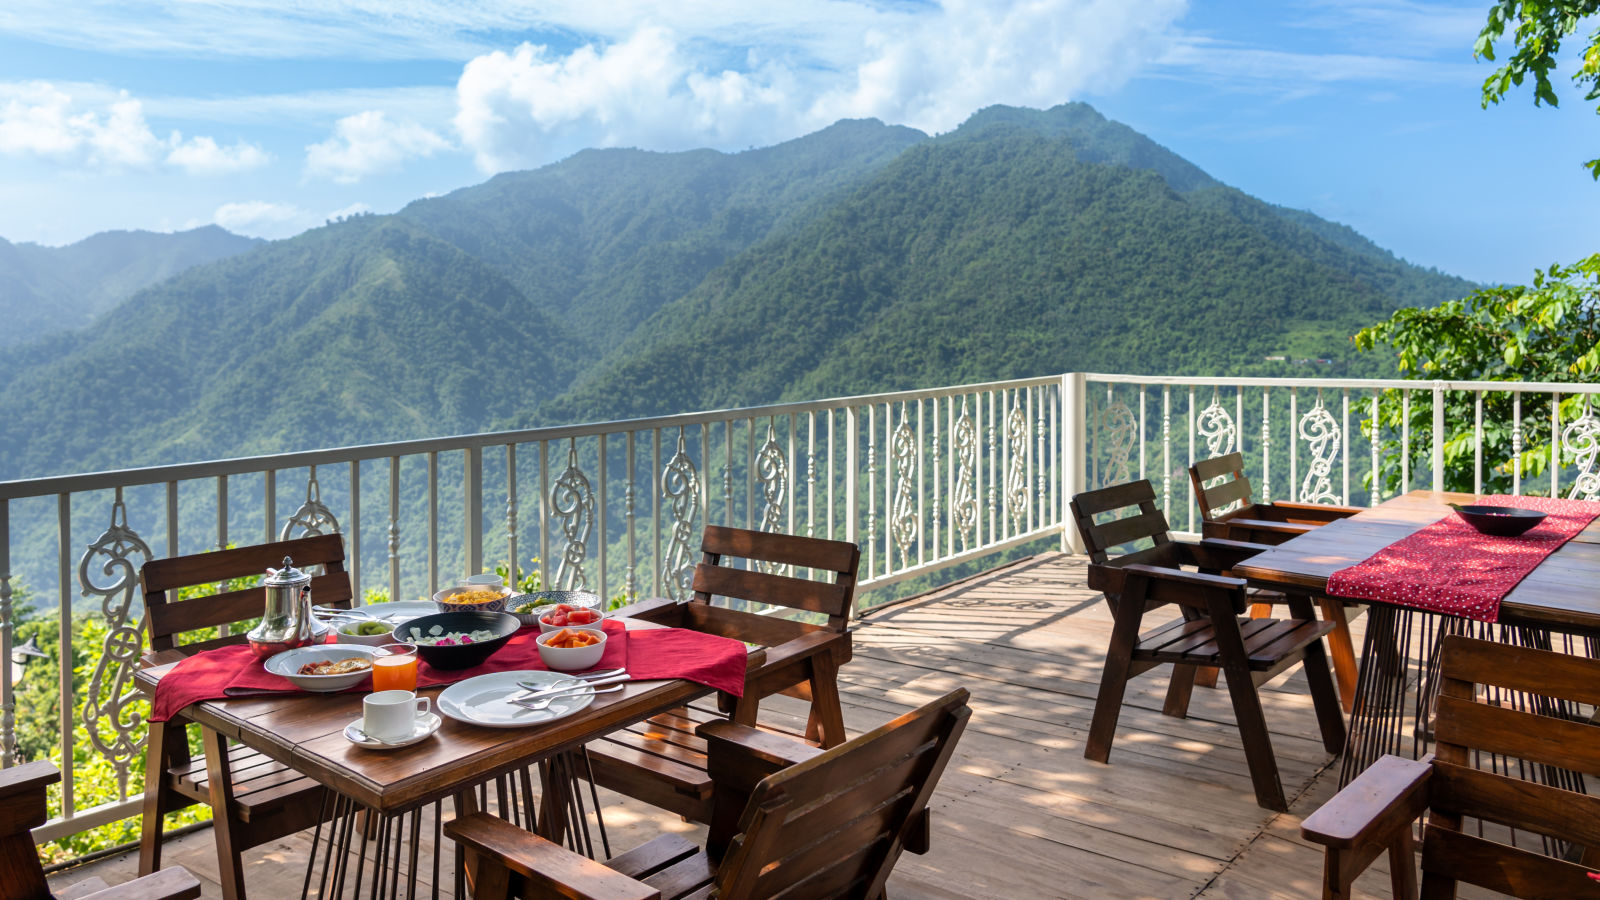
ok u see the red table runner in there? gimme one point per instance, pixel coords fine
(646, 653)
(1448, 567)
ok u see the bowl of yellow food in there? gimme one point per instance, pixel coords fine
(472, 599)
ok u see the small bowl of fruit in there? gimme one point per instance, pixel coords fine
(572, 649)
(370, 632)
(563, 615)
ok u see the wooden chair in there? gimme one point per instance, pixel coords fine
(662, 761)
(1374, 814)
(252, 798)
(1272, 524)
(1209, 633)
(807, 823)
(22, 808)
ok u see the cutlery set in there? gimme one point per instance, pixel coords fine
(540, 697)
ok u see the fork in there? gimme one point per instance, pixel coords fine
(544, 702)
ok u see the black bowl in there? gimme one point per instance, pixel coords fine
(1500, 521)
(460, 656)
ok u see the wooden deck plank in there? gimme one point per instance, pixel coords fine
(1020, 813)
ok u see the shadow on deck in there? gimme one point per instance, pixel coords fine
(1021, 813)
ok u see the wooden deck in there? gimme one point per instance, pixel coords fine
(1021, 813)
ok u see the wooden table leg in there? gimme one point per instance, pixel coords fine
(1343, 651)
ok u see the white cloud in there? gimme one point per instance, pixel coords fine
(259, 218)
(203, 156)
(928, 68)
(370, 142)
(38, 119)
(93, 127)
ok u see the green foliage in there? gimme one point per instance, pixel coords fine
(1540, 26)
(1548, 331)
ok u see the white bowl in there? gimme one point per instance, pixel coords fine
(369, 640)
(288, 665)
(546, 628)
(571, 659)
(445, 604)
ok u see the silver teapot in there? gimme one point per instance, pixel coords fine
(288, 621)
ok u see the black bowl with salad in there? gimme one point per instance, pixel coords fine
(458, 640)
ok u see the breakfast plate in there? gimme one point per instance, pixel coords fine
(485, 700)
(289, 663)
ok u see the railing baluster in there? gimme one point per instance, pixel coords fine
(1189, 506)
(222, 512)
(852, 440)
(269, 510)
(1436, 459)
(394, 528)
(1516, 442)
(354, 532)
(727, 472)
(1405, 441)
(1294, 445)
(546, 572)
(64, 655)
(750, 473)
(793, 487)
(872, 489)
(433, 522)
(921, 509)
(1555, 444)
(513, 568)
(604, 537)
(8, 699)
(656, 487)
(1266, 445)
(472, 509)
(832, 535)
(811, 474)
(1142, 475)
(630, 518)
(1166, 451)
(995, 470)
(1349, 445)
(1477, 442)
(1375, 496)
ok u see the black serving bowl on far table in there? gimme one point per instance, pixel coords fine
(1499, 521)
(459, 656)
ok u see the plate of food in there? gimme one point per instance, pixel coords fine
(323, 668)
(486, 699)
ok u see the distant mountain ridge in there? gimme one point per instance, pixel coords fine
(44, 290)
(863, 257)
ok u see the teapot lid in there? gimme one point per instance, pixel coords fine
(288, 576)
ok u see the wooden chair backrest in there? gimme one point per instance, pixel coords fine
(1219, 496)
(1100, 537)
(835, 561)
(22, 808)
(1541, 741)
(835, 825)
(168, 618)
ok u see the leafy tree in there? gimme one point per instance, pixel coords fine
(1547, 331)
(1540, 27)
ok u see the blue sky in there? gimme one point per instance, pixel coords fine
(269, 116)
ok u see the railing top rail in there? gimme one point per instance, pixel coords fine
(1543, 387)
(93, 481)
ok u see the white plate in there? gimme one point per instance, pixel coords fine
(288, 665)
(426, 724)
(482, 700)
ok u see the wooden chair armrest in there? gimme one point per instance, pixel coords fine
(1221, 554)
(753, 746)
(550, 867)
(1246, 526)
(785, 665)
(1313, 512)
(1390, 795)
(1179, 576)
(653, 609)
(168, 884)
(26, 779)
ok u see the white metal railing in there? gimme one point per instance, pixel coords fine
(922, 480)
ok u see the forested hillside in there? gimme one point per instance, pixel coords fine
(44, 290)
(863, 257)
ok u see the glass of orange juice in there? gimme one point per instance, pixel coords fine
(395, 668)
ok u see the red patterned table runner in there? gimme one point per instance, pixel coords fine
(647, 654)
(1448, 567)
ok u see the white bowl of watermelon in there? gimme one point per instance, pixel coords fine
(564, 615)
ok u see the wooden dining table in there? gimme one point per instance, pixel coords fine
(1558, 600)
(305, 731)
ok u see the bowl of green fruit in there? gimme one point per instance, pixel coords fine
(370, 632)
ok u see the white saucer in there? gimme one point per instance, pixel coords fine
(425, 726)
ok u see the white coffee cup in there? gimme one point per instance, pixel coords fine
(392, 715)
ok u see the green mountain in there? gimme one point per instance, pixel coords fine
(860, 258)
(1024, 242)
(49, 289)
